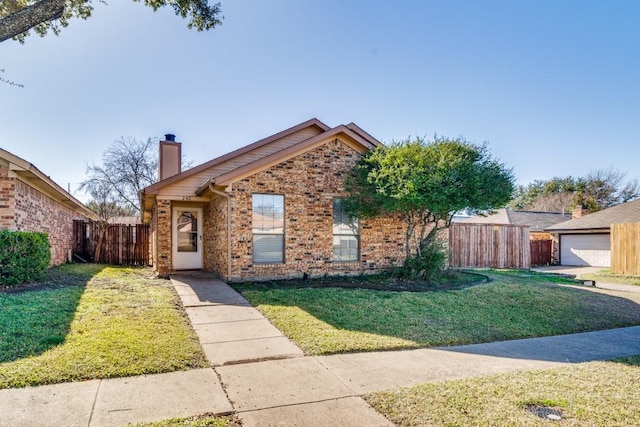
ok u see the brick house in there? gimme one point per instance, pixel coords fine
(31, 201)
(269, 210)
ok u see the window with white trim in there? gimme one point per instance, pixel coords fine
(346, 234)
(268, 228)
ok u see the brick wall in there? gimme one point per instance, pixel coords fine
(163, 261)
(309, 182)
(23, 208)
(7, 200)
(215, 236)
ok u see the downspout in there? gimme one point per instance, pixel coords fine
(226, 196)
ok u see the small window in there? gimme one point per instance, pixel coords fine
(268, 228)
(346, 235)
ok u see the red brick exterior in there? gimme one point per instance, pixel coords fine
(215, 229)
(163, 259)
(24, 208)
(308, 182)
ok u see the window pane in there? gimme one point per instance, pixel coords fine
(345, 234)
(345, 248)
(188, 232)
(268, 248)
(268, 228)
(268, 214)
(342, 224)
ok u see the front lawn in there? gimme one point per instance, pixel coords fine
(589, 394)
(513, 305)
(605, 276)
(93, 321)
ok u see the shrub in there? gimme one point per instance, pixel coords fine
(24, 256)
(428, 263)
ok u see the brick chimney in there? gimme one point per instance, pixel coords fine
(170, 157)
(578, 212)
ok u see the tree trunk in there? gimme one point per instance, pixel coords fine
(101, 234)
(28, 17)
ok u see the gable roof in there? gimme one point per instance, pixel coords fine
(602, 220)
(32, 176)
(262, 154)
(153, 188)
(535, 220)
(227, 178)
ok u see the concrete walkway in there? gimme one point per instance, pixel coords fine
(267, 381)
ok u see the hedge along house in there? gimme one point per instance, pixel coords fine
(269, 210)
(31, 201)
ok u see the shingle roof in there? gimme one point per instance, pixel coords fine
(536, 221)
(622, 213)
(37, 179)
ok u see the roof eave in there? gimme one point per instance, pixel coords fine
(155, 188)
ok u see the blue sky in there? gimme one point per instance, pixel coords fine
(552, 86)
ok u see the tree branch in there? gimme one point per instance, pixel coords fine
(28, 17)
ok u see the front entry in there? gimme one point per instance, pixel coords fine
(187, 238)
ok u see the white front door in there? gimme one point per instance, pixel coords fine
(187, 238)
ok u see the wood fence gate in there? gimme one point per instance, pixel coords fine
(541, 252)
(122, 244)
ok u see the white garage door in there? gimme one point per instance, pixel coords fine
(585, 249)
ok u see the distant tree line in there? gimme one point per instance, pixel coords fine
(600, 189)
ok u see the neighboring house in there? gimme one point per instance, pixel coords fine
(536, 221)
(269, 210)
(585, 240)
(31, 201)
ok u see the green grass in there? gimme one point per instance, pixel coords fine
(197, 421)
(89, 321)
(606, 276)
(589, 394)
(513, 305)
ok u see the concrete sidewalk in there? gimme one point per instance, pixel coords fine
(266, 380)
(282, 387)
(115, 402)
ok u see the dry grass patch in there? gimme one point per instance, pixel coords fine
(593, 394)
(196, 421)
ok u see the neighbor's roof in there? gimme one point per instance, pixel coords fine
(602, 220)
(35, 178)
(535, 220)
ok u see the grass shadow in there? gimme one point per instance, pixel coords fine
(512, 306)
(36, 317)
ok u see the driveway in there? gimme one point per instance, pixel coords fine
(568, 269)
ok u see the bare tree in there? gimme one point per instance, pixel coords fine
(128, 165)
(608, 187)
(104, 203)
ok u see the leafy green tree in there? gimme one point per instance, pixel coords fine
(425, 183)
(18, 17)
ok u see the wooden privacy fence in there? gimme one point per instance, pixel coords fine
(541, 252)
(625, 248)
(489, 246)
(122, 244)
